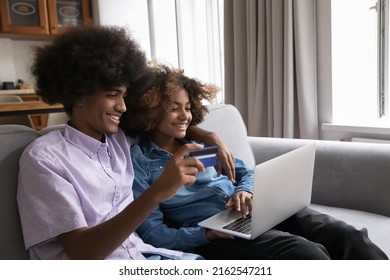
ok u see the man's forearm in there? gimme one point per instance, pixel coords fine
(207, 137)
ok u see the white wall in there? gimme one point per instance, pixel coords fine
(7, 66)
(15, 59)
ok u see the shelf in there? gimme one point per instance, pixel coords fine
(17, 91)
(32, 105)
(23, 37)
(29, 107)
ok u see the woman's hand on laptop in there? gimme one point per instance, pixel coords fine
(242, 202)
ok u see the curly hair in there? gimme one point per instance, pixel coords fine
(85, 59)
(145, 108)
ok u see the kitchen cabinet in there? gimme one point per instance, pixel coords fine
(43, 17)
(39, 120)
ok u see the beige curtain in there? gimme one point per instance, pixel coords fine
(270, 66)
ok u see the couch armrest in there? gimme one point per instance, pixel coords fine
(347, 175)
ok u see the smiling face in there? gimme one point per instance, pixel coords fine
(99, 113)
(174, 122)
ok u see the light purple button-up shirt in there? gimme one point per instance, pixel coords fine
(68, 180)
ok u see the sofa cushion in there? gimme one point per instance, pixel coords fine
(227, 122)
(378, 226)
(13, 139)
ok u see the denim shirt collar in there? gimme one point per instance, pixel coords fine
(149, 147)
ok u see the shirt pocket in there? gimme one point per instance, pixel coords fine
(155, 168)
(196, 187)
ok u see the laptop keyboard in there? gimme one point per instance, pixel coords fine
(242, 225)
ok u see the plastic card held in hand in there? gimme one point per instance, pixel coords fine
(207, 155)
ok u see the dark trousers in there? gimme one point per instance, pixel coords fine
(307, 235)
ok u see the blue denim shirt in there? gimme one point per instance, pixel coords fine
(191, 204)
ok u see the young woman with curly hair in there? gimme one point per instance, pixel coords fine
(159, 118)
(75, 194)
(146, 108)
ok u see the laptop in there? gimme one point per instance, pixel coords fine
(282, 187)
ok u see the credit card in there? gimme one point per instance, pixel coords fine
(207, 155)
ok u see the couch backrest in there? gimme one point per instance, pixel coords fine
(346, 175)
(13, 139)
(226, 121)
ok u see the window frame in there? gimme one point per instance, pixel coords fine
(332, 128)
(383, 58)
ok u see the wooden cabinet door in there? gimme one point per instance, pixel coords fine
(39, 120)
(24, 17)
(67, 13)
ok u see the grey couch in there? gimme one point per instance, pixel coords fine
(351, 180)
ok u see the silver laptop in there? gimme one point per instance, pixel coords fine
(282, 187)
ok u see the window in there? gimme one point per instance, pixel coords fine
(187, 34)
(360, 61)
(183, 33)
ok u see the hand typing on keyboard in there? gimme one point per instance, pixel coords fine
(242, 202)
